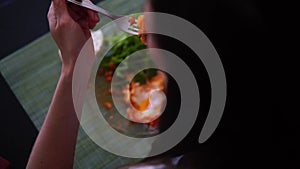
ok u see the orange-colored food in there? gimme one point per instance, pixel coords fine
(109, 73)
(141, 26)
(108, 78)
(140, 23)
(131, 20)
(142, 105)
(108, 105)
(154, 123)
(141, 97)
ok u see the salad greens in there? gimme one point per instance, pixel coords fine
(123, 48)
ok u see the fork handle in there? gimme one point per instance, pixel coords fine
(90, 5)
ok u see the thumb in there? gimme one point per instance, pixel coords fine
(60, 7)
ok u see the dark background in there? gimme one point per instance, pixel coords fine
(257, 129)
(21, 23)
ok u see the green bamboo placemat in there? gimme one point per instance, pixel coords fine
(32, 73)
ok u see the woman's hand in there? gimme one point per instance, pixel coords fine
(70, 27)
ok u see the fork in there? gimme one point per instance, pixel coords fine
(122, 21)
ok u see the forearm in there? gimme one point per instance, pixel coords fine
(55, 145)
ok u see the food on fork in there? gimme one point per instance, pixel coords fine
(141, 27)
(131, 20)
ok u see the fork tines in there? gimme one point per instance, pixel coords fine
(133, 26)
